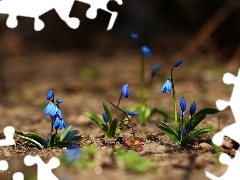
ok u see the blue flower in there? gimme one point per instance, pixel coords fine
(183, 105)
(59, 122)
(50, 109)
(167, 86)
(184, 131)
(182, 113)
(125, 90)
(132, 113)
(105, 117)
(178, 62)
(50, 94)
(146, 51)
(73, 154)
(134, 36)
(155, 69)
(192, 109)
(58, 100)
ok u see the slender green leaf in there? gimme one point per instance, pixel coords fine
(113, 128)
(64, 133)
(186, 140)
(31, 135)
(71, 133)
(169, 127)
(36, 143)
(99, 121)
(108, 113)
(73, 138)
(199, 116)
(169, 133)
(172, 134)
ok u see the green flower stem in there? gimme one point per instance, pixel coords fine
(142, 79)
(116, 113)
(174, 100)
(181, 128)
(219, 123)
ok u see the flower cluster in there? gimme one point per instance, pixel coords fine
(54, 111)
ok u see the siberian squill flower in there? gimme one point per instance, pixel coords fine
(178, 62)
(132, 113)
(105, 117)
(125, 90)
(183, 106)
(146, 51)
(50, 109)
(192, 109)
(59, 122)
(155, 70)
(50, 94)
(134, 36)
(167, 86)
(58, 100)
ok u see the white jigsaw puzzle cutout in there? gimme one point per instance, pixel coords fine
(8, 133)
(36, 8)
(232, 131)
(44, 171)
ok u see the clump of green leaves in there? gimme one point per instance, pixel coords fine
(186, 132)
(133, 161)
(66, 138)
(112, 127)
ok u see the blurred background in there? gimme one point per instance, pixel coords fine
(168, 26)
(201, 29)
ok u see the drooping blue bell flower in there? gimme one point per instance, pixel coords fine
(50, 94)
(146, 51)
(167, 86)
(183, 105)
(132, 113)
(192, 109)
(125, 90)
(178, 62)
(58, 100)
(51, 109)
(155, 69)
(134, 36)
(59, 122)
(105, 117)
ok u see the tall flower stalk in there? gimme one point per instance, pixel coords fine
(177, 63)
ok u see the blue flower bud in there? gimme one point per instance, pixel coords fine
(50, 94)
(192, 109)
(183, 104)
(146, 51)
(125, 90)
(58, 100)
(167, 86)
(134, 36)
(155, 69)
(132, 113)
(178, 62)
(105, 117)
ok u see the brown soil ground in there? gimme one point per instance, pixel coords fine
(84, 81)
